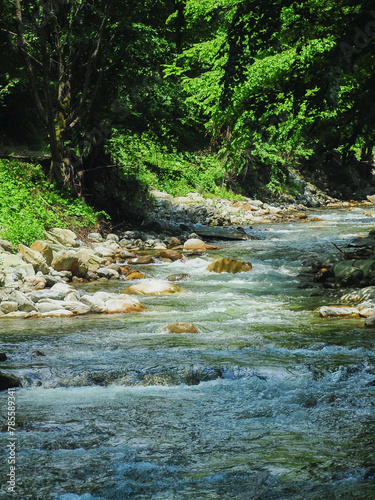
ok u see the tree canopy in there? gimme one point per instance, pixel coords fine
(265, 85)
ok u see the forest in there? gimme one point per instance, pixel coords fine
(222, 97)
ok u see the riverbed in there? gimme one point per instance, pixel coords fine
(268, 401)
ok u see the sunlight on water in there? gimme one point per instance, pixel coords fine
(268, 401)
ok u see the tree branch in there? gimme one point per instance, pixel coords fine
(28, 58)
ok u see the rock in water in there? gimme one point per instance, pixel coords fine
(221, 233)
(154, 287)
(181, 328)
(229, 266)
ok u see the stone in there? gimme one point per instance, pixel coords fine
(120, 305)
(195, 244)
(46, 307)
(105, 251)
(96, 304)
(229, 266)
(181, 328)
(3, 356)
(44, 248)
(135, 275)
(171, 254)
(90, 260)
(39, 295)
(354, 270)
(8, 381)
(58, 313)
(95, 237)
(113, 237)
(370, 322)
(153, 287)
(37, 282)
(6, 245)
(8, 306)
(221, 233)
(105, 272)
(338, 311)
(65, 288)
(144, 259)
(65, 237)
(178, 277)
(126, 254)
(174, 242)
(24, 303)
(64, 260)
(73, 306)
(18, 314)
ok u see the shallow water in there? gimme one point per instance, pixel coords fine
(269, 401)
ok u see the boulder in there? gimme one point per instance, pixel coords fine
(195, 244)
(171, 255)
(105, 272)
(178, 277)
(126, 254)
(220, 232)
(3, 356)
(24, 303)
(64, 237)
(95, 237)
(36, 282)
(8, 306)
(123, 305)
(338, 312)
(64, 260)
(58, 313)
(39, 295)
(135, 275)
(34, 258)
(354, 270)
(181, 328)
(6, 245)
(370, 322)
(229, 266)
(144, 259)
(44, 248)
(73, 306)
(89, 259)
(105, 251)
(96, 304)
(8, 381)
(153, 287)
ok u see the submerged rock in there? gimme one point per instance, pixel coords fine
(181, 328)
(195, 244)
(171, 255)
(8, 381)
(338, 312)
(178, 277)
(154, 287)
(229, 266)
(144, 259)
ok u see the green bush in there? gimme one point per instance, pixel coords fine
(167, 169)
(29, 205)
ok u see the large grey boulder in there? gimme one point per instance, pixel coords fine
(24, 303)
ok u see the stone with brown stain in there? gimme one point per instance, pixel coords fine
(229, 266)
(181, 328)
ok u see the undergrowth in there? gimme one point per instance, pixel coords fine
(29, 204)
(167, 169)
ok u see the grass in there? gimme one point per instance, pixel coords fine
(29, 204)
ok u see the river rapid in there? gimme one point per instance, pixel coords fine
(268, 401)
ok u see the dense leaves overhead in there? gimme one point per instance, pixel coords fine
(276, 84)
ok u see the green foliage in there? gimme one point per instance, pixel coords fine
(165, 168)
(29, 205)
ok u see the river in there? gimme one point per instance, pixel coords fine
(268, 401)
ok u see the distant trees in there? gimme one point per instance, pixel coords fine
(282, 82)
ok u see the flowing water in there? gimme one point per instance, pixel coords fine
(268, 401)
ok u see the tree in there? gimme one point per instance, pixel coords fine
(66, 48)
